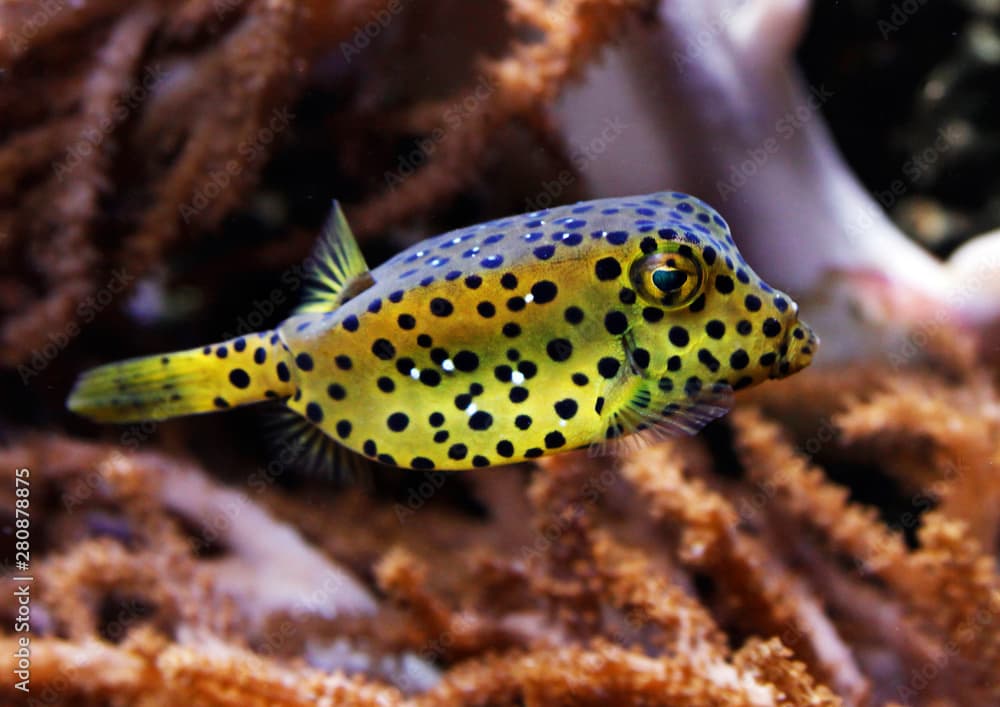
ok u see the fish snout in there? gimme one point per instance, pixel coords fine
(797, 350)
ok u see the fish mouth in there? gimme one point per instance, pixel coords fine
(796, 351)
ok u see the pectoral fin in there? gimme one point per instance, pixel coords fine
(643, 408)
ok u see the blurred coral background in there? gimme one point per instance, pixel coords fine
(165, 166)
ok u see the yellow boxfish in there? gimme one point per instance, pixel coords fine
(500, 342)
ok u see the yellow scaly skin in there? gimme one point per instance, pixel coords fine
(516, 338)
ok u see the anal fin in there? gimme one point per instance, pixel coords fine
(300, 445)
(338, 271)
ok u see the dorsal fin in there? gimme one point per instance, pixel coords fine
(337, 270)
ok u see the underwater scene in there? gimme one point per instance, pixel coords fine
(509, 352)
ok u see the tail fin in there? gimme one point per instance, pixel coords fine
(236, 372)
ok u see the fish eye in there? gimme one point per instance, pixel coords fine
(670, 279)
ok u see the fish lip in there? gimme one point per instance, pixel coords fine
(799, 353)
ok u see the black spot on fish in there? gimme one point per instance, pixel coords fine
(398, 421)
(608, 367)
(554, 440)
(566, 408)
(239, 378)
(710, 361)
(383, 349)
(466, 361)
(544, 291)
(607, 269)
(518, 394)
(616, 323)
(480, 420)
(430, 377)
(715, 329)
(559, 349)
(440, 307)
(679, 336)
(405, 365)
(336, 391)
(573, 315)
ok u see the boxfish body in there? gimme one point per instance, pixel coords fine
(504, 341)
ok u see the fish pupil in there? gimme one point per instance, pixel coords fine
(669, 280)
